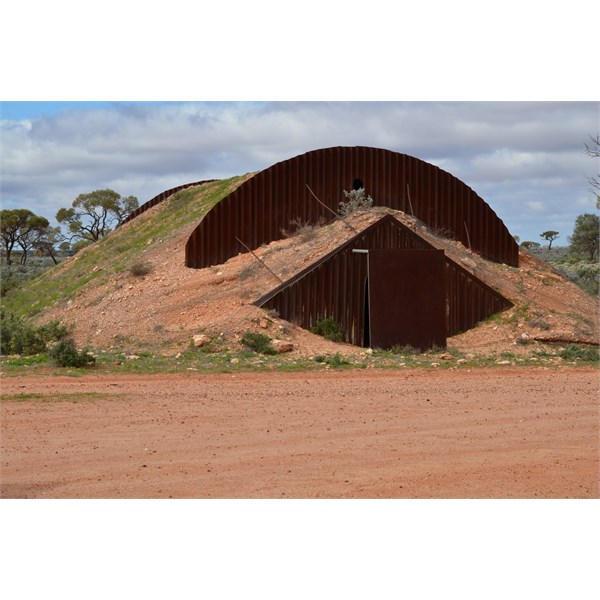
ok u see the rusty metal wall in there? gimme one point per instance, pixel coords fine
(258, 210)
(162, 196)
(469, 300)
(334, 286)
(407, 298)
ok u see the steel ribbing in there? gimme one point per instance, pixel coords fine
(333, 286)
(260, 208)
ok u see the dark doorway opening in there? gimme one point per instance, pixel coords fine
(367, 314)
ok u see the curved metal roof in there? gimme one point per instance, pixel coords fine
(258, 211)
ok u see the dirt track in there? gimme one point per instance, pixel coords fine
(362, 434)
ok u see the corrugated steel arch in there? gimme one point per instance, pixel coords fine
(160, 198)
(259, 209)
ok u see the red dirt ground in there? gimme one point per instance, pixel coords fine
(481, 433)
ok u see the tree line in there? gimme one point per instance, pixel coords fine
(90, 217)
(584, 244)
(585, 241)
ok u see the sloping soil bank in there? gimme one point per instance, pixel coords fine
(482, 433)
(160, 312)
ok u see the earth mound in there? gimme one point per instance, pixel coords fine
(143, 297)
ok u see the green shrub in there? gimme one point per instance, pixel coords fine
(9, 282)
(328, 328)
(582, 271)
(54, 331)
(140, 269)
(13, 277)
(586, 274)
(577, 352)
(258, 342)
(355, 200)
(336, 360)
(65, 354)
(333, 360)
(19, 337)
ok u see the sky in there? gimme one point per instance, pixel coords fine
(525, 159)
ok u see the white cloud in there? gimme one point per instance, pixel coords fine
(536, 206)
(517, 156)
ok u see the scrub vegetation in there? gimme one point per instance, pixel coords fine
(328, 328)
(355, 200)
(121, 250)
(258, 342)
(223, 360)
(572, 264)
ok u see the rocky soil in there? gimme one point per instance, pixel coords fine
(164, 309)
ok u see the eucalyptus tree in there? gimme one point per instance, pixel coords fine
(95, 214)
(23, 228)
